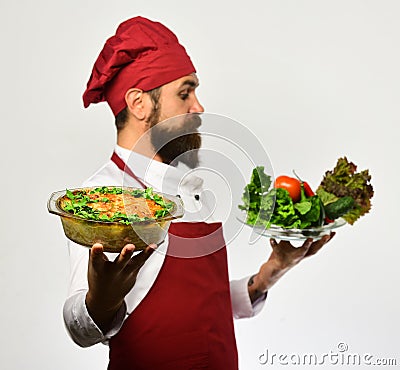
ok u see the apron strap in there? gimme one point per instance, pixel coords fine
(123, 167)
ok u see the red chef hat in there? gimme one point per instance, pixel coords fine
(142, 54)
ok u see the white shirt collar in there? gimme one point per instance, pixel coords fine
(160, 176)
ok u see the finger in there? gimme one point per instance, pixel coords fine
(302, 251)
(279, 246)
(316, 246)
(97, 254)
(273, 243)
(307, 244)
(125, 255)
(136, 262)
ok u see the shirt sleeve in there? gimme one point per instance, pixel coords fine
(80, 326)
(241, 304)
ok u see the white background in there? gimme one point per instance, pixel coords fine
(314, 80)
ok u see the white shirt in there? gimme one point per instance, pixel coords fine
(163, 178)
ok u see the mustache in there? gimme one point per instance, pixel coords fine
(177, 130)
(192, 121)
(180, 125)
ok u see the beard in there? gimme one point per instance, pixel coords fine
(184, 149)
(177, 139)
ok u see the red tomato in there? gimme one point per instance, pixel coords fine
(291, 184)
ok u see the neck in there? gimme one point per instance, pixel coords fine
(138, 142)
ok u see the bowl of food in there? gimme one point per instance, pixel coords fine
(115, 216)
(289, 209)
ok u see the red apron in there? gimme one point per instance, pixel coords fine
(185, 321)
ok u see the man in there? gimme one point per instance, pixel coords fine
(156, 310)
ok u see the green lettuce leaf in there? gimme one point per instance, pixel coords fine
(253, 195)
(284, 214)
(275, 206)
(326, 197)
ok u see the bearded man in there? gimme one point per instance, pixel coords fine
(155, 309)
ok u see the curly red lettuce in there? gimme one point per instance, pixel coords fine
(344, 180)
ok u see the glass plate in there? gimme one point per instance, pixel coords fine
(296, 234)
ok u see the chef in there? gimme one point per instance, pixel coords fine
(158, 309)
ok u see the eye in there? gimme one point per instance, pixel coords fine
(184, 96)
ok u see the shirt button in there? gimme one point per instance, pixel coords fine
(197, 197)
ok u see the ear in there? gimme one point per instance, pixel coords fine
(136, 103)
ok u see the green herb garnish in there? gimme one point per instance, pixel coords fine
(79, 204)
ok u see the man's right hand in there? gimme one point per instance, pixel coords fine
(110, 281)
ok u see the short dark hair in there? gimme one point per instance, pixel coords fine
(122, 117)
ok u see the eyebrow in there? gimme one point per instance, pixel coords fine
(190, 82)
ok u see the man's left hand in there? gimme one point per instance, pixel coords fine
(284, 256)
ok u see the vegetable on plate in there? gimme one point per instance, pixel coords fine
(292, 204)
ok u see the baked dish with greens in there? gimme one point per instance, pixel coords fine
(115, 216)
(114, 204)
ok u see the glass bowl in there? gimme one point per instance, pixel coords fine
(114, 235)
(281, 233)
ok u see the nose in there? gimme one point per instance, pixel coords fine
(196, 106)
